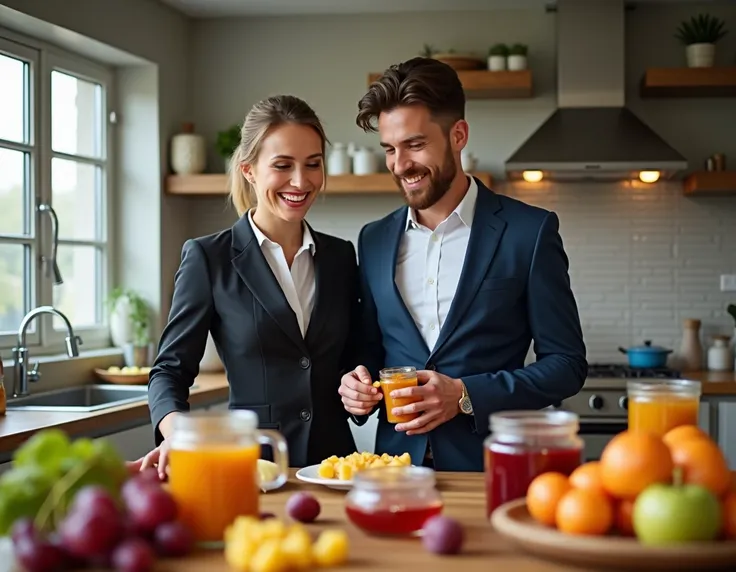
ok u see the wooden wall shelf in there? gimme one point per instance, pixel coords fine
(482, 84)
(689, 82)
(216, 184)
(701, 183)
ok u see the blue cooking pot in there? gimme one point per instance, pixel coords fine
(646, 355)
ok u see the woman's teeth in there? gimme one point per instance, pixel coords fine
(293, 198)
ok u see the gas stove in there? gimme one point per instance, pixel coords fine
(620, 370)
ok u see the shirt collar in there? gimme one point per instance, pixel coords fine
(307, 240)
(464, 211)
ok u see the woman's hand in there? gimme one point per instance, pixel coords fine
(158, 459)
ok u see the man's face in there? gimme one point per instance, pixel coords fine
(421, 156)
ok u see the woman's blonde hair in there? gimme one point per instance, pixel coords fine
(263, 117)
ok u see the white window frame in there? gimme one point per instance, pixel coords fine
(41, 336)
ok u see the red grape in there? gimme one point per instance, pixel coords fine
(173, 539)
(36, 554)
(148, 476)
(22, 528)
(88, 533)
(94, 499)
(133, 555)
(150, 507)
(303, 507)
(443, 535)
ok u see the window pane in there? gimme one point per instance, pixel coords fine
(14, 99)
(78, 296)
(12, 191)
(76, 199)
(76, 115)
(13, 277)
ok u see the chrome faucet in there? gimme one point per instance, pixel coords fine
(22, 375)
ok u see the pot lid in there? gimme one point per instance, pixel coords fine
(648, 348)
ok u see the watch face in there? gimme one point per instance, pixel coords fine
(465, 406)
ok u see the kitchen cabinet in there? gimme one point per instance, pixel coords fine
(727, 431)
(133, 443)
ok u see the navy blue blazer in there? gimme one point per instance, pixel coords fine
(514, 289)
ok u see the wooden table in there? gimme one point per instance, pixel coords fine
(464, 498)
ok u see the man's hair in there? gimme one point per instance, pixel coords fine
(418, 81)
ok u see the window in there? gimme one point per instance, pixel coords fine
(55, 173)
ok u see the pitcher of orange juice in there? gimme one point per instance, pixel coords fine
(213, 472)
(397, 378)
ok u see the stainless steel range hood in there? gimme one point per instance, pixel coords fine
(592, 135)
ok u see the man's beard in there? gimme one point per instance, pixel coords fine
(440, 181)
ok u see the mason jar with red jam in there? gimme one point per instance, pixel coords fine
(525, 444)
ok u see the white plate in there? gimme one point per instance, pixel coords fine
(311, 475)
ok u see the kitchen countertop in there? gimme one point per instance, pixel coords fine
(17, 426)
(464, 497)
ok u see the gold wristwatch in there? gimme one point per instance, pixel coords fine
(465, 405)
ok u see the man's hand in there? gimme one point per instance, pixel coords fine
(359, 397)
(439, 396)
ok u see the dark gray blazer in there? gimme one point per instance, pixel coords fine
(225, 286)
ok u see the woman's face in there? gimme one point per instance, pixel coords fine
(288, 172)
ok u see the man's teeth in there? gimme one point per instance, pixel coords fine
(412, 180)
(293, 198)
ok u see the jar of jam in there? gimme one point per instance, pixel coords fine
(662, 404)
(393, 501)
(525, 444)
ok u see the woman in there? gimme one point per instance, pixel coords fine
(278, 297)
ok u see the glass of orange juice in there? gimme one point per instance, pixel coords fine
(213, 472)
(662, 404)
(395, 378)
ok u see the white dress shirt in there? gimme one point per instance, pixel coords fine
(297, 282)
(429, 264)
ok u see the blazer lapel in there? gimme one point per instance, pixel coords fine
(254, 271)
(392, 241)
(485, 235)
(323, 270)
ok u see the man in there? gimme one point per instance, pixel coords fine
(457, 284)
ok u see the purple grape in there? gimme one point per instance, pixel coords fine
(173, 539)
(303, 507)
(148, 476)
(36, 554)
(23, 528)
(90, 533)
(443, 535)
(133, 555)
(94, 499)
(151, 507)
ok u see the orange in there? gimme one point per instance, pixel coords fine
(588, 476)
(702, 463)
(729, 516)
(623, 517)
(583, 511)
(683, 433)
(543, 494)
(632, 461)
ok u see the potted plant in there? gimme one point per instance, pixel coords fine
(700, 35)
(226, 143)
(497, 57)
(129, 326)
(516, 59)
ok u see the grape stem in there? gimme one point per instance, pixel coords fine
(50, 506)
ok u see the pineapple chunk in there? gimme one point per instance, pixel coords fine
(268, 557)
(326, 470)
(297, 548)
(345, 473)
(331, 548)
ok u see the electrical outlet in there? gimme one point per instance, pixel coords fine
(728, 282)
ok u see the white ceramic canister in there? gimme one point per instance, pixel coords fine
(338, 162)
(188, 152)
(365, 161)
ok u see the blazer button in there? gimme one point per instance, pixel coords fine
(305, 414)
(431, 367)
(304, 362)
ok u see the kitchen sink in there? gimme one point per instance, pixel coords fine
(84, 398)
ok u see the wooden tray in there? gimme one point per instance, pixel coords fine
(513, 521)
(122, 378)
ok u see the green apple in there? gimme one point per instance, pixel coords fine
(672, 514)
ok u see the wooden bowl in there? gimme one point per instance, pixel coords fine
(513, 521)
(460, 62)
(121, 378)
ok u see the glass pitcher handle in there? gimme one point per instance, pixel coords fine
(280, 457)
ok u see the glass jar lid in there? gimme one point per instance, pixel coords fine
(663, 387)
(546, 423)
(214, 425)
(395, 478)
